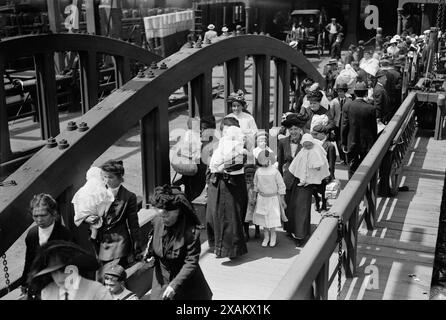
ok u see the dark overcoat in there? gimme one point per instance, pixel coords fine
(176, 262)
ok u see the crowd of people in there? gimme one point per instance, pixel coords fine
(246, 183)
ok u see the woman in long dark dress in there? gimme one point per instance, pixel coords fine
(299, 199)
(227, 197)
(175, 249)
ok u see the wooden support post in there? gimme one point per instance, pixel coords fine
(55, 24)
(384, 175)
(155, 150)
(122, 70)
(89, 80)
(261, 90)
(200, 95)
(92, 16)
(281, 90)
(370, 202)
(322, 283)
(46, 95)
(351, 238)
(5, 144)
(400, 20)
(234, 71)
(440, 117)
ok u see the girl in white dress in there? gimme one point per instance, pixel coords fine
(270, 192)
(310, 165)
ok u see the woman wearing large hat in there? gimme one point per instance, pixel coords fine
(58, 273)
(175, 248)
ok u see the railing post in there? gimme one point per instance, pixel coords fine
(384, 175)
(234, 72)
(155, 150)
(281, 89)
(122, 70)
(370, 202)
(200, 95)
(47, 95)
(440, 117)
(322, 283)
(261, 90)
(351, 239)
(5, 144)
(89, 80)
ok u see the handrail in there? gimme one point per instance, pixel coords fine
(122, 109)
(298, 280)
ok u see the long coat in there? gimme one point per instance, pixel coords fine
(382, 103)
(284, 156)
(358, 129)
(32, 244)
(120, 228)
(176, 262)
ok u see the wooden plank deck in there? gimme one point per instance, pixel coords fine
(402, 247)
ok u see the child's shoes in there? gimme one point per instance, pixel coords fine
(272, 242)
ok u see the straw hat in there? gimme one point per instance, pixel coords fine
(224, 29)
(211, 27)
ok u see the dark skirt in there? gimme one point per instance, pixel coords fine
(225, 212)
(298, 210)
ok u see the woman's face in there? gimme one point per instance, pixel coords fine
(170, 217)
(315, 105)
(43, 217)
(111, 179)
(59, 276)
(237, 107)
(294, 131)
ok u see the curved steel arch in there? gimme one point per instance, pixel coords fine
(116, 114)
(17, 47)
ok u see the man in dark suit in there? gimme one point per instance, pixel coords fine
(381, 99)
(359, 129)
(118, 237)
(48, 227)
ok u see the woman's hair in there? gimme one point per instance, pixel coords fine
(169, 198)
(114, 166)
(43, 200)
(229, 121)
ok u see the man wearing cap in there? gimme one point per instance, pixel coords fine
(359, 129)
(333, 28)
(381, 101)
(211, 33)
(114, 280)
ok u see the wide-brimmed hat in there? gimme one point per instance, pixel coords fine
(361, 86)
(57, 254)
(333, 19)
(342, 86)
(224, 29)
(332, 61)
(360, 42)
(238, 96)
(295, 119)
(211, 27)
